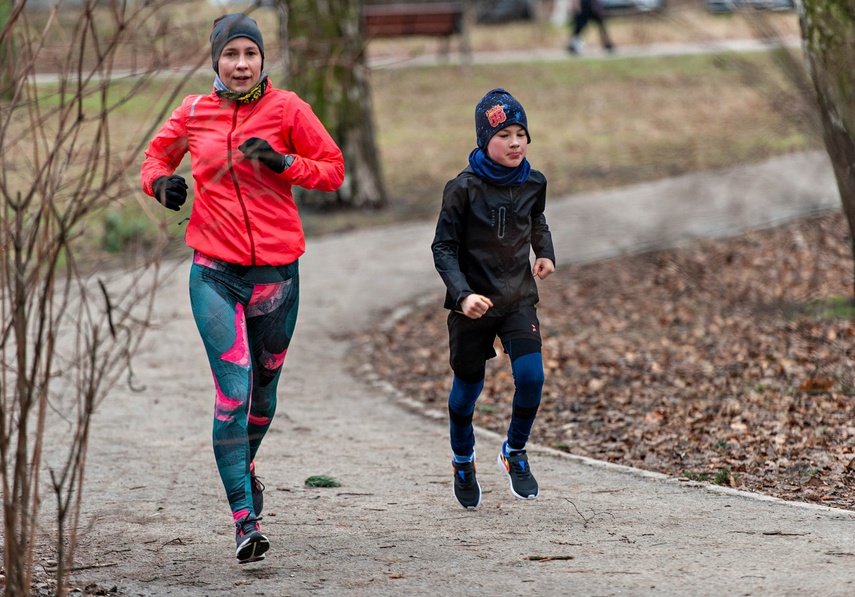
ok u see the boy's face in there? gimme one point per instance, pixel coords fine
(508, 146)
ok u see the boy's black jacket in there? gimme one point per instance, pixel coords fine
(484, 237)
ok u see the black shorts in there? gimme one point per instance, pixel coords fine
(471, 341)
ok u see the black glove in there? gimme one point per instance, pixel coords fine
(170, 191)
(259, 149)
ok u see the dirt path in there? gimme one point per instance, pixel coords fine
(158, 524)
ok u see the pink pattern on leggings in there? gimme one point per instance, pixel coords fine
(271, 361)
(225, 407)
(256, 420)
(239, 352)
(267, 297)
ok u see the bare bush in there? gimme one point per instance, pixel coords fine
(70, 323)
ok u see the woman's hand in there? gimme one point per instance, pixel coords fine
(170, 191)
(475, 305)
(259, 149)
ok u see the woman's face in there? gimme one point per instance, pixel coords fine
(508, 146)
(240, 64)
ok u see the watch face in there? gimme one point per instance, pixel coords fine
(289, 159)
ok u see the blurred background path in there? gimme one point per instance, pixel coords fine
(560, 54)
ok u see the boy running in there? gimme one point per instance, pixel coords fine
(491, 219)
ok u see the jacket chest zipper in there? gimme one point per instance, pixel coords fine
(510, 257)
(238, 193)
(500, 217)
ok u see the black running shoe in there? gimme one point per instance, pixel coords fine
(466, 488)
(251, 544)
(257, 490)
(522, 482)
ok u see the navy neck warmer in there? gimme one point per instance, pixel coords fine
(497, 174)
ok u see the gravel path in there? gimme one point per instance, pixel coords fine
(156, 522)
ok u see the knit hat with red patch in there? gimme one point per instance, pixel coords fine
(497, 110)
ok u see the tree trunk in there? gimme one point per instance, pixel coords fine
(284, 51)
(328, 70)
(7, 50)
(828, 31)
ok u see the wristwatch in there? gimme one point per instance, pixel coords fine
(287, 161)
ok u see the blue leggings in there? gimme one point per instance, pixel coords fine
(246, 317)
(527, 369)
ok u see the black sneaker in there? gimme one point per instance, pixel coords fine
(251, 544)
(257, 490)
(466, 488)
(522, 482)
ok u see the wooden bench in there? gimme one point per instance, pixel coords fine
(435, 19)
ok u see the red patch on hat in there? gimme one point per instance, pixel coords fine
(496, 115)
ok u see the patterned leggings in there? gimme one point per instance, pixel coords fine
(246, 317)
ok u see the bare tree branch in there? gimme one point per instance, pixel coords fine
(70, 327)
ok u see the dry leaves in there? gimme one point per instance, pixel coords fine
(725, 361)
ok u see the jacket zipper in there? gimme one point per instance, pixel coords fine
(237, 187)
(508, 246)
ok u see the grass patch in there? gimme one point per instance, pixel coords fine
(723, 477)
(826, 309)
(836, 307)
(322, 481)
(123, 228)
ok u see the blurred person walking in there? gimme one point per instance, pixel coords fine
(582, 12)
(249, 142)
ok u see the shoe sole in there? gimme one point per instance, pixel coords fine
(252, 549)
(501, 462)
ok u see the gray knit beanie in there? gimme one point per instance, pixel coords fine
(229, 27)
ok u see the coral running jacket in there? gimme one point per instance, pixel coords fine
(243, 212)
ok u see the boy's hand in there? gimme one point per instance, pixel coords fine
(475, 305)
(543, 267)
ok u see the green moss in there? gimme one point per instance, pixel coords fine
(322, 481)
